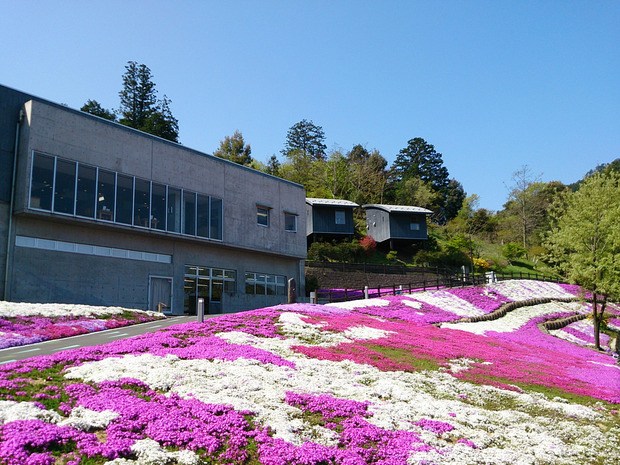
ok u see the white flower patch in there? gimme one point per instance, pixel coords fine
(13, 411)
(149, 452)
(461, 364)
(529, 289)
(510, 322)
(398, 399)
(413, 304)
(353, 304)
(448, 302)
(87, 420)
(365, 333)
(308, 334)
(15, 309)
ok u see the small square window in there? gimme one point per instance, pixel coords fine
(414, 226)
(340, 217)
(290, 222)
(262, 215)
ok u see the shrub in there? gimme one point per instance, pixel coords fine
(481, 264)
(336, 251)
(369, 245)
(513, 251)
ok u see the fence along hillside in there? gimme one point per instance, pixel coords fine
(348, 281)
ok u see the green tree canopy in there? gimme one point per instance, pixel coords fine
(235, 149)
(94, 108)
(140, 108)
(273, 166)
(420, 160)
(584, 240)
(306, 139)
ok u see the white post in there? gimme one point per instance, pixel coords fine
(201, 309)
(313, 297)
(365, 292)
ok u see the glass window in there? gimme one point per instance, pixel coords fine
(262, 215)
(106, 182)
(340, 217)
(158, 206)
(290, 222)
(261, 281)
(229, 287)
(414, 226)
(64, 187)
(265, 284)
(124, 199)
(42, 182)
(216, 218)
(142, 203)
(86, 189)
(202, 216)
(189, 295)
(189, 213)
(174, 209)
(217, 288)
(250, 283)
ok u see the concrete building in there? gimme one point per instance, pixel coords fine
(98, 213)
(328, 219)
(396, 224)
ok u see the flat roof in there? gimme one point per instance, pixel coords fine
(331, 202)
(398, 208)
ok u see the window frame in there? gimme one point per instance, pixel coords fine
(266, 215)
(287, 216)
(108, 211)
(266, 282)
(340, 217)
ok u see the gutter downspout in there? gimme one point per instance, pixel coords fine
(6, 295)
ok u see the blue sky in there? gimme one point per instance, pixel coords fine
(493, 85)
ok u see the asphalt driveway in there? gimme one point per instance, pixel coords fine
(13, 354)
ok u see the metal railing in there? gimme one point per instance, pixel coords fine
(439, 282)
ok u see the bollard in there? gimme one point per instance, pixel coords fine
(312, 297)
(292, 291)
(201, 310)
(365, 292)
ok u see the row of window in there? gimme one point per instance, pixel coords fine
(72, 188)
(210, 283)
(265, 284)
(262, 218)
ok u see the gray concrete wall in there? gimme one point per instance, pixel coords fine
(55, 276)
(53, 130)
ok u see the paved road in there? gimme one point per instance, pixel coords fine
(13, 354)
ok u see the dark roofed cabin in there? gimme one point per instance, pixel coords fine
(329, 219)
(396, 223)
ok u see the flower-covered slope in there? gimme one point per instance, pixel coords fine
(354, 383)
(24, 323)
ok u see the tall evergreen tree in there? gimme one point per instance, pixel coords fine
(140, 108)
(306, 139)
(420, 159)
(273, 166)
(138, 96)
